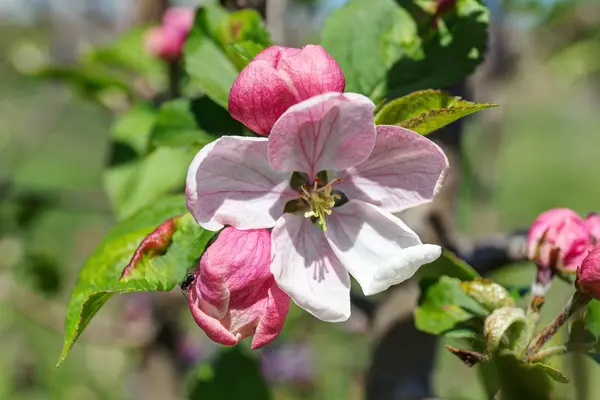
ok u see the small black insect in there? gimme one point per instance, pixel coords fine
(187, 281)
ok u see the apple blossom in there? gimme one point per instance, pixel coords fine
(234, 295)
(339, 219)
(279, 77)
(558, 238)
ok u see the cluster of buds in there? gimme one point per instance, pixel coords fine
(166, 41)
(560, 239)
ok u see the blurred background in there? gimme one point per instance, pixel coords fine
(538, 150)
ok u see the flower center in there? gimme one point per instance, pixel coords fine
(320, 200)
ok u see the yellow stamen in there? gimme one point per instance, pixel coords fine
(320, 200)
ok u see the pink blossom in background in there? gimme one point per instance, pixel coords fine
(279, 77)
(335, 225)
(559, 233)
(179, 19)
(592, 225)
(588, 274)
(167, 40)
(234, 295)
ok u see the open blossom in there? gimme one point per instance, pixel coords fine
(559, 238)
(234, 295)
(339, 219)
(166, 41)
(279, 77)
(588, 274)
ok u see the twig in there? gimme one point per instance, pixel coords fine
(576, 302)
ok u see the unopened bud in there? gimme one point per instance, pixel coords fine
(558, 239)
(588, 274)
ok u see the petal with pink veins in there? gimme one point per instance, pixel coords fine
(272, 321)
(404, 170)
(259, 96)
(377, 248)
(230, 182)
(312, 71)
(332, 131)
(305, 267)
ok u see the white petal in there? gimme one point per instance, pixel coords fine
(377, 248)
(404, 170)
(230, 182)
(306, 269)
(331, 131)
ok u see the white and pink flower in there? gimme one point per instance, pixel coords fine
(339, 218)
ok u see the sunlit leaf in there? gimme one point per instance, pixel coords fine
(444, 305)
(426, 111)
(99, 278)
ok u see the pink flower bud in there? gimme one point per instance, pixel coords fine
(165, 43)
(588, 274)
(179, 19)
(592, 225)
(558, 238)
(279, 77)
(234, 294)
(167, 40)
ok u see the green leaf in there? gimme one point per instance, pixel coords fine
(488, 293)
(196, 122)
(519, 380)
(244, 26)
(450, 265)
(592, 318)
(366, 41)
(135, 185)
(505, 326)
(426, 111)
(552, 372)
(132, 129)
(128, 52)
(89, 81)
(243, 52)
(233, 375)
(206, 63)
(99, 277)
(444, 305)
(176, 126)
(447, 55)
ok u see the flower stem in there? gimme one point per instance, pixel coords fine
(576, 302)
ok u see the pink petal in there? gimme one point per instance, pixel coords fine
(272, 321)
(404, 170)
(312, 71)
(259, 96)
(236, 264)
(230, 183)
(330, 131)
(307, 270)
(211, 326)
(377, 248)
(272, 55)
